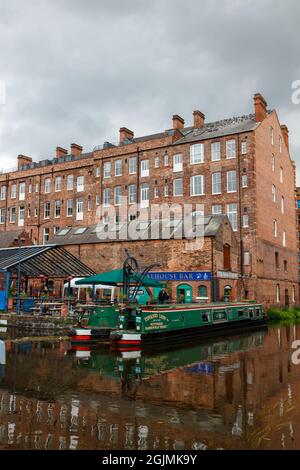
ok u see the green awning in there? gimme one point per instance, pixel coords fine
(115, 277)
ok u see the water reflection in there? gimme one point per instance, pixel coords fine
(238, 392)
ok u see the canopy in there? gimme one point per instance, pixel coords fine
(115, 277)
(73, 283)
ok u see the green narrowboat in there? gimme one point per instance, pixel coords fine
(101, 320)
(161, 323)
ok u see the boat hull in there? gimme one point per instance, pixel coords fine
(88, 335)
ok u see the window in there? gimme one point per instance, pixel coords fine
(231, 181)
(30, 188)
(280, 144)
(216, 151)
(230, 148)
(282, 204)
(144, 168)
(197, 185)
(117, 195)
(275, 228)
(277, 293)
(21, 217)
(36, 212)
(166, 190)
(273, 193)
(293, 294)
(13, 193)
(132, 165)
(58, 180)
(12, 215)
(80, 184)
(156, 192)
(276, 260)
(177, 163)
(22, 192)
(70, 182)
(244, 148)
(244, 181)
(106, 197)
(245, 220)
(47, 207)
(132, 193)
(79, 209)
(118, 168)
(202, 292)
(106, 169)
(232, 215)
(196, 153)
(216, 209)
(3, 193)
(144, 195)
(226, 257)
(285, 266)
(178, 187)
(37, 187)
(97, 172)
(273, 163)
(56, 230)
(2, 215)
(97, 200)
(272, 135)
(281, 174)
(57, 209)
(216, 183)
(247, 258)
(47, 187)
(89, 204)
(284, 238)
(166, 159)
(69, 207)
(156, 162)
(46, 234)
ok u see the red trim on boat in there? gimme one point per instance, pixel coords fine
(128, 341)
(81, 337)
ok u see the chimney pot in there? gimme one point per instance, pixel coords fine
(199, 118)
(178, 122)
(61, 152)
(260, 106)
(125, 134)
(76, 150)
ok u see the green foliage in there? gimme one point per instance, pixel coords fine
(287, 313)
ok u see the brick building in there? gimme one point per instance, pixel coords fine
(239, 166)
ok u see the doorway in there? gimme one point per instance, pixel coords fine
(184, 293)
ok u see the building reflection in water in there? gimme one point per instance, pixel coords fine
(235, 393)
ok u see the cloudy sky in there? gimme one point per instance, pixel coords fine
(76, 71)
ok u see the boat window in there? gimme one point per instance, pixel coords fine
(257, 312)
(251, 313)
(241, 313)
(205, 317)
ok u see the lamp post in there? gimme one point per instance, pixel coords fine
(69, 293)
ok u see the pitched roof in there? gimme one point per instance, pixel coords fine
(8, 238)
(97, 233)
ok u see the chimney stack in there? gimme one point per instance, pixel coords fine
(76, 150)
(260, 106)
(285, 133)
(178, 122)
(23, 160)
(199, 119)
(125, 134)
(60, 152)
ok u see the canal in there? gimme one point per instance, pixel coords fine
(235, 392)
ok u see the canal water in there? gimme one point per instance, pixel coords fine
(235, 392)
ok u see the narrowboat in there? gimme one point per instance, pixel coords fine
(139, 326)
(101, 319)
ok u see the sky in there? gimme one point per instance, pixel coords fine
(77, 71)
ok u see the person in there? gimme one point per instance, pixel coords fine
(163, 296)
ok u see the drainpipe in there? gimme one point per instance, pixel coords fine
(241, 243)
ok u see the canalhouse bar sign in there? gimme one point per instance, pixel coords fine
(181, 276)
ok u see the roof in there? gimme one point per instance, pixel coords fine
(116, 277)
(48, 260)
(8, 238)
(97, 233)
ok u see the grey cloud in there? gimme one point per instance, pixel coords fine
(77, 71)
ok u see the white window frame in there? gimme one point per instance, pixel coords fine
(132, 167)
(144, 195)
(47, 185)
(282, 204)
(156, 192)
(21, 216)
(216, 183)
(69, 207)
(166, 159)
(80, 184)
(22, 191)
(273, 193)
(215, 151)
(177, 181)
(232, 214)
(230, 149)
(177, 163)
(132, 194)
(47, 210)
(70, 182)
(46, 234)
(3, 193)
(244, 148)
(196, 154)
(79, 205)
(58, 183)
(231, 182)
(245, 220)
(216, 211)
(275, 228)
(106, 169)
(118, 167)
(117, 195)
(12, 215)
(280, 144)
(244, 181)
(194, 184)
(57, 209)
(281, 174)
(156, 162)
(13, 191)
(284, 238)
(106, 197)
(144, 168)
(2, 215)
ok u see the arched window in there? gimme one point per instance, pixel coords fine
(226, 257)
(202, 292)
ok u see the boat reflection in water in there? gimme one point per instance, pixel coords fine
(242, 392)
